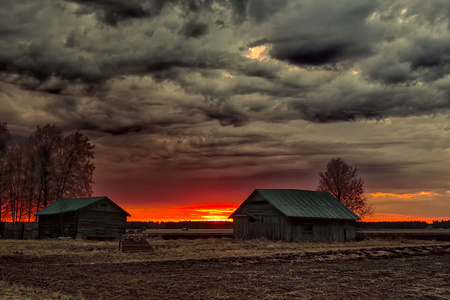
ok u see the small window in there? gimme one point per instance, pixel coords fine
(103, 204)
(258, 202)
(251, 220)
(308, 227)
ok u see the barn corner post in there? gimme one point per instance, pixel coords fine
(61, 205)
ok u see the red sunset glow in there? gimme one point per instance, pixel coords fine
(175, 214)
(397, 218)
(221, 213)
(222, 210)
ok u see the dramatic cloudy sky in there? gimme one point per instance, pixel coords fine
(192, 104)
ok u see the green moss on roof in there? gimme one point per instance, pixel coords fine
(305, 204)
(65, 205)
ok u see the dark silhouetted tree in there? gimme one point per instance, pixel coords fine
(18, 175)
(75, 168)
(43, 168)
(342, 181)
(63, 165)
(4, 140)
(45, 142)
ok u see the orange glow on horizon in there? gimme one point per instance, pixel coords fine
(403, 196)
(177, 214)
(400, 218)
(222, 212)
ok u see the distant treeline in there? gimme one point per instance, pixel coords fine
(180, 225)
(441, 224)
(229, 225)
(404, 225)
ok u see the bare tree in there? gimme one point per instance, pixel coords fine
(74, 167)
(64, 164)
(41, 169)
(4, 140)
(5, 137)
(44, 142)
(17, 175)
(342, 181)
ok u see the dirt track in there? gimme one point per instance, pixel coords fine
(380, 273)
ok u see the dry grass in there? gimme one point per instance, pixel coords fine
(162, 231)
(87, 254)
(167, 250)
(14, 291)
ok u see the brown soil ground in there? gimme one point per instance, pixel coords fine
(410, 272)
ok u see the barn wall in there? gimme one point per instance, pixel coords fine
(30, 230)
(310, 230)
(271, 227)
(97, 224)
(257, 218)
(105, 205)
(9, 230)
(293, 229)
(50, 226)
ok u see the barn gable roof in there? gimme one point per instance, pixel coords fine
(304, 204)
(65, 205)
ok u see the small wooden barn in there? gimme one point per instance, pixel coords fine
(294, 216)
(83, 218)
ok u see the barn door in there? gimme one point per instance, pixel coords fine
(252, 227)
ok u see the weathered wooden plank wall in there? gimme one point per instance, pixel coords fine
(54, 226)
(30, 230)
(305, 230)
(293, 229)
(92, 224)
(18, 230)
(271, 227)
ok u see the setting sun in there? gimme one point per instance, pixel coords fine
(174, 214)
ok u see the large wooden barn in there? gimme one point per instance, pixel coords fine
(294, 216)
(83, 218)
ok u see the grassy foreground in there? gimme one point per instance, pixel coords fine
(95, 251)
(78, 252)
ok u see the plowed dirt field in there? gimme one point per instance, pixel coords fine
(407, 272)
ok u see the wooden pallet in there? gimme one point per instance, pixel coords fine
(134, 243)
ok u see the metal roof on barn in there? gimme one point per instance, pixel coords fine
(304, 204)
(65, 205)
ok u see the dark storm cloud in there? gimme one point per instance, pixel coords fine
(356, 103)
(224, 112)
(318, 114)
(257, 10)
(42, 60)
(421, 59)
(112, 12)
(262, 9)
(194, 29)
(257, 43)
(327, 61)
(324, 32)
(428, 56)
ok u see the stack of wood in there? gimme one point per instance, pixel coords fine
(134, 243)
